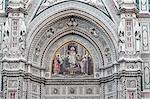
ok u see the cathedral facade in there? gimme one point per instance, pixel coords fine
(74, 49)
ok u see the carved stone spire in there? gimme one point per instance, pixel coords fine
(14, 41)
(14, 58)
(128, 28)
(129, 46)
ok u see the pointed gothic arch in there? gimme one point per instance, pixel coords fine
(97, 33)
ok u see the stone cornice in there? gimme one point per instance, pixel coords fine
(34, 78)
(16, 73)
(131, 60)
(73, 82)
(143, 15)
(12, 60)
(16, 10)
(35, 66)
(123, 10)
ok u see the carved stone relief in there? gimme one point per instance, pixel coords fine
(11, 65)
(131, 83)
(72, 90)
(55, 91)
(73, 97)
(89, 90)
(133, 66)
(12, 84)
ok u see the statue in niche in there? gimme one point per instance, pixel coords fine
(138, 38)
(6, 42)
(144, 5)
(72, 22)
(94, 32)
(1, 4)
(145, 33)
(22, 38)
(50, 32)
(6, 39)
(121, 34)
(121, 42)
(72, 59)
(37, 51)
(108, 54)
(22, 43)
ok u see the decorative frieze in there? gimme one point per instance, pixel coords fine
(133, 66)
(73, 90)
(10, 66)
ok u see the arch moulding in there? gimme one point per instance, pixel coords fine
(101, 25)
